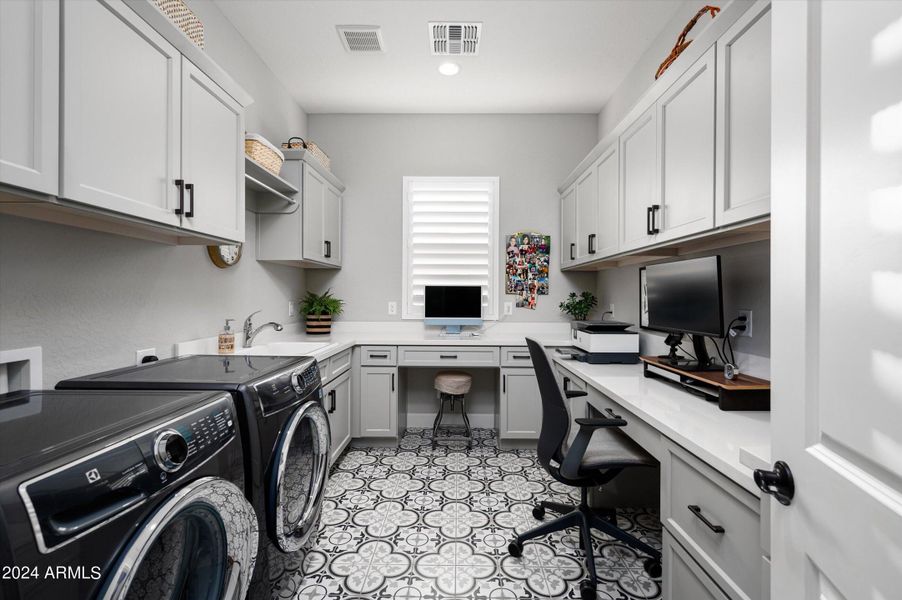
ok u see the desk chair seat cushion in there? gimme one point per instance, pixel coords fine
(455, 383)
(610, 448)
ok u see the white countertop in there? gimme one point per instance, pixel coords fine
(733, 442)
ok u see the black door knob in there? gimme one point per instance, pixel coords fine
(778, 482)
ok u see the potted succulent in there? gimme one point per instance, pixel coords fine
(579, 307)
(319, 309)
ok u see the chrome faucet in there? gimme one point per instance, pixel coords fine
(250, 333)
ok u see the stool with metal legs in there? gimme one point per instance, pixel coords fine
(452, 386)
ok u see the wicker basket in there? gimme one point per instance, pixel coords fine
(298, 143)
(182, 17)
(263, 152)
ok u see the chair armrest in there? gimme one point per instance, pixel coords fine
(575, 393)
(570, 466)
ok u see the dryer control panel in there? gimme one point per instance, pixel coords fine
(86, 493)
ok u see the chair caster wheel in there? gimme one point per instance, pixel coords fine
(515, 549)
(538, 512)
(653, 568)
(587, 590)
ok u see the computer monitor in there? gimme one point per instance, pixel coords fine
(452, 306)
(686, 297)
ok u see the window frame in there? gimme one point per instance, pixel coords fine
(494, 235)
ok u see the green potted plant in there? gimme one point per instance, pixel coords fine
(319, 309)
(579, 307)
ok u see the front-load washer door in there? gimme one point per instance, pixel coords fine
(201, 543)
(297, 477)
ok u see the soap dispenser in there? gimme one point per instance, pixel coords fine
(227, 339)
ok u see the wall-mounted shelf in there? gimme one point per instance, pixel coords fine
(273, 194)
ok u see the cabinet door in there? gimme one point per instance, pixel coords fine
(521, 405)
(638, 181)
(29, 94)
(608, 176)
(212, 157)
(121, 112)
(568, 227)
(743, 118)
(332, 225)
(378, 402)
(338, 407)
(314, 209)
(587, 215)
(686, 143)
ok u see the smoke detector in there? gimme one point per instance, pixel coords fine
(361, 39)
(455, 39)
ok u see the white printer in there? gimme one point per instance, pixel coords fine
(602, 342)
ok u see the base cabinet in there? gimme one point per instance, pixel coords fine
(378, 402)
(337, 401)
(520, 415)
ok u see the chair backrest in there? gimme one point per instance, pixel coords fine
(555, 412)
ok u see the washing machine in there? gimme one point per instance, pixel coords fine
(113, 495)
(285, 433)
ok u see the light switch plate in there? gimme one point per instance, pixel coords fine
(508, 308)
(392, 308)
(139, 354)
(292, 308)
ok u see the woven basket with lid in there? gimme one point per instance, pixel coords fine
(262, 151)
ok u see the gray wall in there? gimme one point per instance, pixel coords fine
(531, 154)
(91, 299)
(746, 282)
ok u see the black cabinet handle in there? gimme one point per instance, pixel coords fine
(591, 243)
(566, 384)
(612, 414)
(572, 248)
(180, 184)
(520, 356)
(392, 382)
(328, 249)
(654, 218)
(504, 384)
(332, 400)
(695, 510)
(778, 483)
(190, 188)
(648, 221)
(378, 355)
(447, 356)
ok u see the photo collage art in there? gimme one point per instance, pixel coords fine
(527, 267)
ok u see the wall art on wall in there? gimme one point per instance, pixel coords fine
(527, 267)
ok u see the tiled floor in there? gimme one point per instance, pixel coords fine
(413, 523)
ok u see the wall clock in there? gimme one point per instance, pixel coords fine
(225, 256)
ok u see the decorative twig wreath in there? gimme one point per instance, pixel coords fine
(682, 43)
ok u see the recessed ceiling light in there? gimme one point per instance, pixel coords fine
(449, 68)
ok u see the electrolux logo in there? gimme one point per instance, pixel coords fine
(93, 475)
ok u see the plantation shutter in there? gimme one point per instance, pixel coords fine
(451, 238)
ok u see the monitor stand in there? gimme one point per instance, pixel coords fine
(699, 348)
(451, 330)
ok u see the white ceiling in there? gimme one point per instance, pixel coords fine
(536, 56)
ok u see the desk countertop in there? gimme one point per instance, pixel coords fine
(726, 440)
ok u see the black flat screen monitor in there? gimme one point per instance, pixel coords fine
(686, 296)
(454, 302)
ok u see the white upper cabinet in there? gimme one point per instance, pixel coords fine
(212, 157)
(29, 94)
(568, 226)
(332, 225)
(607, 174)
(743, 118)
(587, 215)
(322, 219)
(686, 144)
(639, 192)
(121, 103)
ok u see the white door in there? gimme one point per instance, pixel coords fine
(587, 215)
(686, 145)
(743, 118)
(332, 225)
(314, 241)
(338, 407)
(568, 227)
(836, 290)
(29, 94)
(639, 190)
(378, 401)
(608, 175)
(212, 157)
(121, 112)
(521, 405)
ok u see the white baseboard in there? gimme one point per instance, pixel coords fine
(486, 420)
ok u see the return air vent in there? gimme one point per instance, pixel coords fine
(361, 39)
(455, 39)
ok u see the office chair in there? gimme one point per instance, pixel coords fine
(598, 454)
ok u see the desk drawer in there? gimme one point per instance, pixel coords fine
(641, 432)
(378, 356)
(683, 577)
(733, 556)
(515, 356)
(450, 356)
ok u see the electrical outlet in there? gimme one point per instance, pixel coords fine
(139, 354)
(508, 308)
(611, 308)
(292, 308)
(392, 308)
(748, 323)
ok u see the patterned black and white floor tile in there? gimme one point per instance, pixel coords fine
(422, 523)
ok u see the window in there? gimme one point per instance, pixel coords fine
(450, 238)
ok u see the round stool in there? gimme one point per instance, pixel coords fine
(451, 386)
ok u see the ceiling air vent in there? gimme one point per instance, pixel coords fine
(455, 39)
(361, 39)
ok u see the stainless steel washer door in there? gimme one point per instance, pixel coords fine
(298, 477)
(201, 544)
